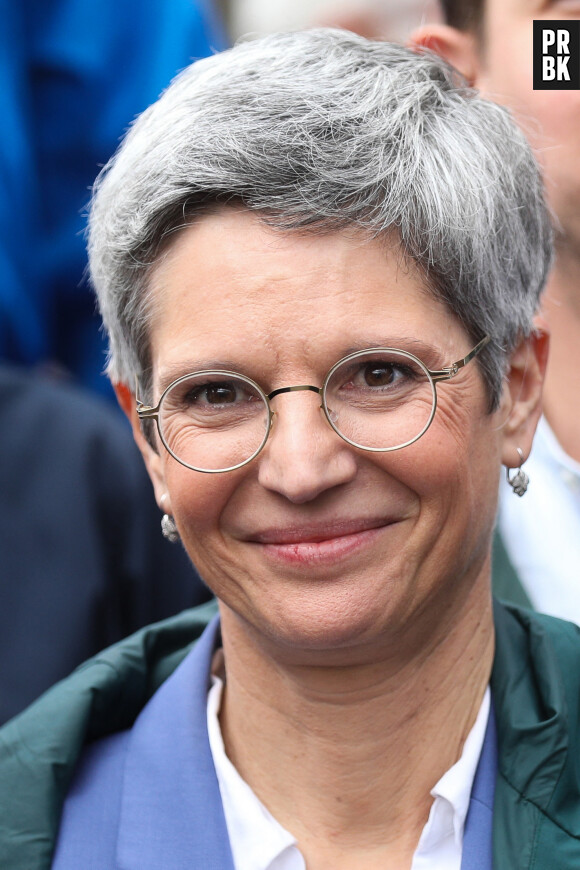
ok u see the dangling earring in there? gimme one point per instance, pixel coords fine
(169, 529)
(519, 482)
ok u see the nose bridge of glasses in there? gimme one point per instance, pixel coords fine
(295, 418)
(295, 389)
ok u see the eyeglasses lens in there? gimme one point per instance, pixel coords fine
(213, 422)
(380, 400)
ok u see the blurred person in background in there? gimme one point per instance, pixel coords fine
(83, 560)
(74, 75)
(490, 42)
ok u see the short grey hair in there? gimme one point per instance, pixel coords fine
(317, 131)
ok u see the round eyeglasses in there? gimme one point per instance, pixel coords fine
(380, 399)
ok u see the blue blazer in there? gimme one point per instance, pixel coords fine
(148, 798)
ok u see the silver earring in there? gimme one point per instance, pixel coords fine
(169, 529)
(519, 482)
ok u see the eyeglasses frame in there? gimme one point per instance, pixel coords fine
(146, 412)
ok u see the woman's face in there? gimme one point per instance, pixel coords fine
(316, 544)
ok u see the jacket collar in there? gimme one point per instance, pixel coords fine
(531, 705)
(535, 686)
(536, 775)
(171, 810)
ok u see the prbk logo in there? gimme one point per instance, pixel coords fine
(556, 55)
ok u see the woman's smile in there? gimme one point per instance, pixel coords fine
(325, 544)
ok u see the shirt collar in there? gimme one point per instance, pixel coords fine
(454, 787)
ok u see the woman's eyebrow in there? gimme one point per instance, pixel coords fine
(397, 342)
(173, 371)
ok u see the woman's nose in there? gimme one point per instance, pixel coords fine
(303, 457)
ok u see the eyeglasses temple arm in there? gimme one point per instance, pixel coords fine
(144, 411)
(451, 371)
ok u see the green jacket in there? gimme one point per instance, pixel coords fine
(505, 582)
(536, 690)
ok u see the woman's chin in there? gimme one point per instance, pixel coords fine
(325, 620)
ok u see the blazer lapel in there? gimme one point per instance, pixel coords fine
(171, 809)
(477, 836)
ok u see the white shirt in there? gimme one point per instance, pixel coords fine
(541, 530)
(259, 842)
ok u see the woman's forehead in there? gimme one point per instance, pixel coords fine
(230, 285)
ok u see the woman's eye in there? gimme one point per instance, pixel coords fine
(213, 394)
(379, 374)
(220, 394)
(382, 373)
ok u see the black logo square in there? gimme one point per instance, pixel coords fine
(556, 55)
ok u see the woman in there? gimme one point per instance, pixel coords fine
(318, 259)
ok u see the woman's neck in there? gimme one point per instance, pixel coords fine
(345, 757)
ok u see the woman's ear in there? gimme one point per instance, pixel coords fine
(521, 403)
(151, 456)
(458, 47)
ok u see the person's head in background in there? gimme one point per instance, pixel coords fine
(490, 42)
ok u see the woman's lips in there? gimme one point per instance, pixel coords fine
(320, 546)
